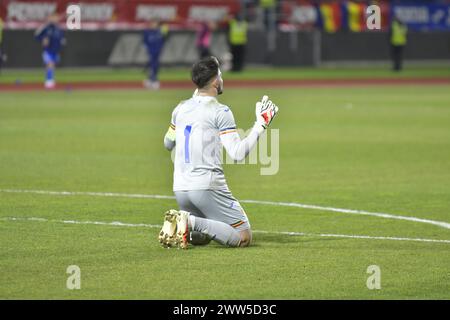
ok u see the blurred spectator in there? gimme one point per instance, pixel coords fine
(154, 37)
(398, 39)
(1, 38)
(51, 37)
(204, 35)
(269, 9)
(237, 36)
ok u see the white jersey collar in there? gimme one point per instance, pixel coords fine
(206, 98)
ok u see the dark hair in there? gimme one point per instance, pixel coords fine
(204, 70)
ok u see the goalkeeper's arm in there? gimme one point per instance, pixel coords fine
(169, 138)
(238, 149)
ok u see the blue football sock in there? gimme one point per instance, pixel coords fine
(49, 75)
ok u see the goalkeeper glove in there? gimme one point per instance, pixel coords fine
(266, 110)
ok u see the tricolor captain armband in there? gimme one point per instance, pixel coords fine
(171, 133)
(227, 130)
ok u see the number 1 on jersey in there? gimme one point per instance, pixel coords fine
(187, 133)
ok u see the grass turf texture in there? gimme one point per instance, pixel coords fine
(384, 149)
(175, 74)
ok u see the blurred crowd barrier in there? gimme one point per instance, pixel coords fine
(295, 48)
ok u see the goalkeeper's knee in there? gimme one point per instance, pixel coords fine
(246, 238)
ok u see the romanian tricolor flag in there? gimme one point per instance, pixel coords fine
(331, 16)
(356, 16)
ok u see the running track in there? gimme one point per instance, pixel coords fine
(281, 83)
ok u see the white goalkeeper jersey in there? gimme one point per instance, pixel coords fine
(202, 126)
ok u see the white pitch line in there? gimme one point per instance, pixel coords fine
(102, 223)
(441, 224)
(287, 233)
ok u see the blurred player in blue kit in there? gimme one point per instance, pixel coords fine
(51, 37)
(154, 38)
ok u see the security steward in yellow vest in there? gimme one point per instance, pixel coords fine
(237, 38)
(398, 39)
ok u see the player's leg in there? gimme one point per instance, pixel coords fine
(392, 56)
(50, 74)
(246, 238)
(199, 239)
(215, 230)
(400, 58)
(240, 57)
(1, 58)
(154, 67)
(195, 237)
(49, 62)
(175, 231)
(234, 58)
(226, 221)
(204, 52)
(152, 81)
(396, 57)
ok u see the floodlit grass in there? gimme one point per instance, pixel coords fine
(68, 75)
(382, 149)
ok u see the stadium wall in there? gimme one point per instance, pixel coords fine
(94, 48)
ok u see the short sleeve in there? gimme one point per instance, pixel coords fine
(225, 121)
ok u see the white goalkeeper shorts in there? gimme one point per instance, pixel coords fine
(219, 205)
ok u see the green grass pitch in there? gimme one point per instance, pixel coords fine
(380, 149)
(69, 75)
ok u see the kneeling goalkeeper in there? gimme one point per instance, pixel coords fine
(198, 129)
